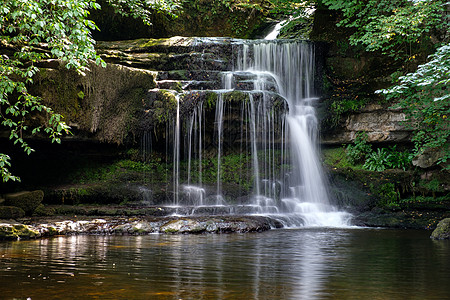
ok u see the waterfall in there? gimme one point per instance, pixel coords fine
(265, 101)
(291, 65)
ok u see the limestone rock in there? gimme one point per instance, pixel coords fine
(183, 226)
(381, 125)
(28, 201)
(427, 159)
(442, 230)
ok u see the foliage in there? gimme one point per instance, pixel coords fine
(4, 165)
(424, 96)
(235, 11)
(341, 106)
(32, 31)
(380, 160)
(293, 8)
(359, 150)
(377, 161)
(385, 158)
(399, 159)
(396, 28)
(424, 199)
(35, 30)
(404, 29)
(143, 9)
(388, 194)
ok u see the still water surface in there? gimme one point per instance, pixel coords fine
(278, 264)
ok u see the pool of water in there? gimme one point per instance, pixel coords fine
(278, 264)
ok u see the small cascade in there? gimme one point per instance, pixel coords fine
(219, 124)
(176, 154)
(276, 30)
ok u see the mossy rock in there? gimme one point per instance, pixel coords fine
(43, 210)
(11, 212)
(28, 201)
(442, 231)
(16, 231)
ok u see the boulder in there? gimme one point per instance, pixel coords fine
(11, 212)
(442, 230)
(28, 201)
(427, 159)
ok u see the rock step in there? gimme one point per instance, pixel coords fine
(178, 85)
(213, 80)
(172, 45)
(200, 75)
(151, 61)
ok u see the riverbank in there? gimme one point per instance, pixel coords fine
(123, 220)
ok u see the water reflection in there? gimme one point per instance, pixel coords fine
(280, 264)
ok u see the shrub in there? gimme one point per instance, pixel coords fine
(377, 161)
(359, 150)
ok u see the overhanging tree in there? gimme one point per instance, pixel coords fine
(35, 30)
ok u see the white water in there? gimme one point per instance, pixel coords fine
(278, 127)
(276, 30)
(305, 195)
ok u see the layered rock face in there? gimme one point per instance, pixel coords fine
(144, 84)
(382, 125)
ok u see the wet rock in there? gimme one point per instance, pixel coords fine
(16, 231)
(183, 226)
(410, 218)
(11, 212)
(143, 225)
(28, 201)
(442, 230)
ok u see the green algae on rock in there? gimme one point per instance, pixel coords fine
(442, 230)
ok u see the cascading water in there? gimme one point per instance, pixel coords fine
(278, 130)
(292, 65)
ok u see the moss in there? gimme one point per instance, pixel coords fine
(52, 231)
(442, 230)
(171, 230)
(337, 158)
(165, 106)
(179, 74)
(43, 210)
(211, 99)
(106, 102)
(11, 212)
(236, 96)
(28, 201)
(16, 231)
(299, 28)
